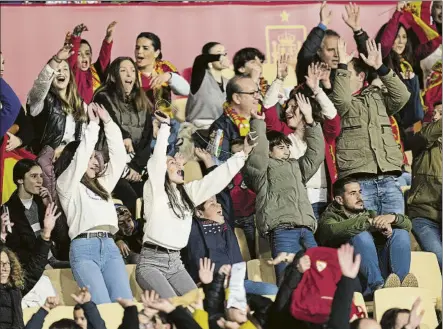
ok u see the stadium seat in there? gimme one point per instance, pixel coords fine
(65, 285)
(360, 302)
(243, 244)
(192, 171)
(60, 312)
(260, 271)
(424, 266)
(387, 298)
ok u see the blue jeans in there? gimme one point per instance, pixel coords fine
(405, 179)
(383, 195)
(260, 288)
(247, 224)
(97, 264)
(428, 235)
(291, 241)
(318, 209)
(377, 262)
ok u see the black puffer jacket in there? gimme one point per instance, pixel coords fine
(11, 314)
(49, 125)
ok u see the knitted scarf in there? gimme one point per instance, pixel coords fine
(241, 123)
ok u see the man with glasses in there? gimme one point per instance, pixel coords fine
(242, 96)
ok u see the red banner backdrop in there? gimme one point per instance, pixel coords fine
(31, 34)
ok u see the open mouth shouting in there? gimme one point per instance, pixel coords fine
(84, 64)
(181, 173)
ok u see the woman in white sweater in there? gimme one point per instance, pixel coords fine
(168, 208)
(85, 196)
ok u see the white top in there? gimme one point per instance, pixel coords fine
(163, 227)
(83, 208)
(69, 135)
(317, 185)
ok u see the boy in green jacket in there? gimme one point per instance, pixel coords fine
(382, 241)
(283, 210)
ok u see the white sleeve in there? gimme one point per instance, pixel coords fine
(40, 89)
(179, 85)
(327, 107)
(70, 179)
(201, 190)
(271, 97)
(157, 162)
(117, 156)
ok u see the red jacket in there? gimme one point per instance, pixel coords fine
(89, 81)
(331, 130)
(243, 199)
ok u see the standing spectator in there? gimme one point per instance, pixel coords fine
(366, 148)
(158, 77)
(284, 212)
(9, 107)
(56, 105)
(86, 199)
(208, 86)
(382, 241)
(424, 202)
(89, 76)
(129, 107)
(168, 207)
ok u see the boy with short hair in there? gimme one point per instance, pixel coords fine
(283, 210)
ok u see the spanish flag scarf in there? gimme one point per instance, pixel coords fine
(241, 122)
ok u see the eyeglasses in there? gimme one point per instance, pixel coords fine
(255, 92)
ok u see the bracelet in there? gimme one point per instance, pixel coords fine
(358, 31)
(56, 59)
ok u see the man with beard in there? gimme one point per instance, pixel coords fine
(382, 241)
(130, 235)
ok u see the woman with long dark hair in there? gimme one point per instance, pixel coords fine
(158, 76)
(130, 109)
(85, 196)
(208, 86)
(55, 104)
(169, 203)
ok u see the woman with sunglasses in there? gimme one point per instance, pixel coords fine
(208, 86)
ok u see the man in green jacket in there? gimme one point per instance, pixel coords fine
(382, 241)
(424, 202)
(283, 210)
(366, 148)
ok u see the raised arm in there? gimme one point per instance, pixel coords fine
(258, 162)
(390, 33)
(117, 151)
(9, 107)
(271, 97)
(201, 190)
(273, 122)
(104, 57)
(179, 85)
(75, 38)
(69, 180)
(157, 163)
(199, 70)
(40, 89)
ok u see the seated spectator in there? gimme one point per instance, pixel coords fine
(16, 281)
(424, 202)
(208, 86)
(89, 76)
(129, 107)
(284, 212)
(366, 149)
(129, 238)
(382, 241)
(242, 96)
(27, 208)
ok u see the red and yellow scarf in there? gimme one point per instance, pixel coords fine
(241, 122)
(96, 83)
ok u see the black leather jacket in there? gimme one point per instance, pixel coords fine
(49, 125)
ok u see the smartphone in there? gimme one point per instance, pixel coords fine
(251, 137)
(5, 210)
(161, 114)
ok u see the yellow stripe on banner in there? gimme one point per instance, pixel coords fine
(8, 184)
